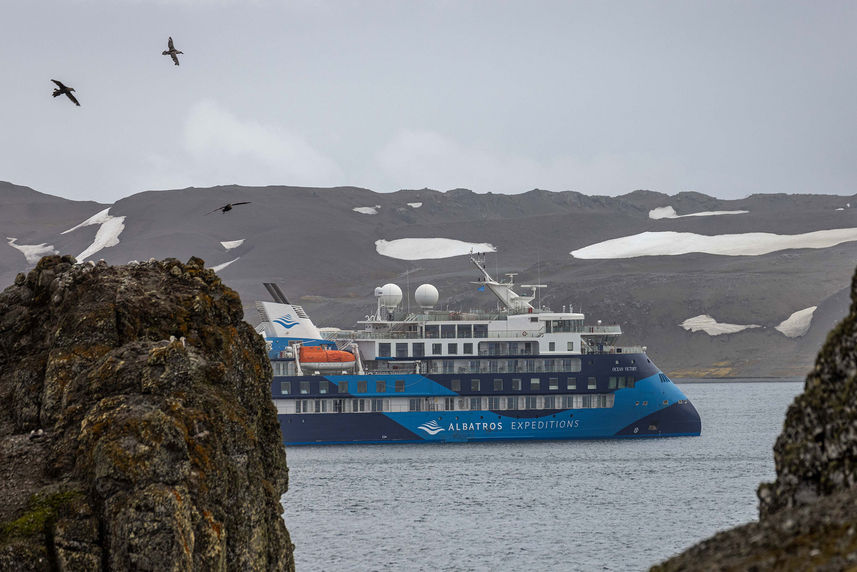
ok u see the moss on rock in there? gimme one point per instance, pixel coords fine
(43, 509)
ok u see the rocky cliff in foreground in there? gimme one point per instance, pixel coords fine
(808, 516)
(137, 430)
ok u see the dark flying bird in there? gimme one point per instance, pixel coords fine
(172, 51)
(228, 207)
(61, 89)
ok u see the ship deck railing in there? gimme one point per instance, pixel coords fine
(342, 335)
(612, 330)
(616, 350)
(517, 334)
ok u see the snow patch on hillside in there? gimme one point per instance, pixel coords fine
(220, 267)
(107, 234)
(32, 252)
(424, 248)
(367, 210)
(230, 244)
(415, 205)
(797, 324)
(669, 212)
(712, 327)
(671, 243)
(98, 218)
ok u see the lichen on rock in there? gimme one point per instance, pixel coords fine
(140, 432)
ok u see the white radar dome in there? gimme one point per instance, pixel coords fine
(389, 295)
(426, 296)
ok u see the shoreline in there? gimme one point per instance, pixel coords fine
(679, 380)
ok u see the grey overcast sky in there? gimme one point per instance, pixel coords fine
(727, 98)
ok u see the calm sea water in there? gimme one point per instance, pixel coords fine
(560, 505)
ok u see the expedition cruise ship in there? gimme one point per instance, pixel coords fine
(520, 372)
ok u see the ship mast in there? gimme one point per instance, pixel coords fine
(513, 302)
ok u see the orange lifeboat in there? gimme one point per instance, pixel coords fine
(321, 359)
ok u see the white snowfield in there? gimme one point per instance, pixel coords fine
(220, 267)
(107, 234)
(415, 205)
(230, 244)
(32, 252)
(425, 248)
(669, 212)
(712, 327)
(669, 243)
(98, 218)
(367, 210)
(797, 324)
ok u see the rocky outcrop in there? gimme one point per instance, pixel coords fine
(808, 516)
(137, 431)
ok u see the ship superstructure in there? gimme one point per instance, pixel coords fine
(520, 372)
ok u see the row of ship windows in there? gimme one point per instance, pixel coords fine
(465, 366)
(418, 349)
(504, 365)
(456, 331)
(499, 403)
(481, 330)
(515, 384)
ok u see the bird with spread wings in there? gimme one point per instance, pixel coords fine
(228, 207)
(172, 51)
(65, 90)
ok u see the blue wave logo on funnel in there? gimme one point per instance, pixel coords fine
(286, 321)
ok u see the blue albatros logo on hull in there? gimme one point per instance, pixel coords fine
(286, 321)
(431, 427)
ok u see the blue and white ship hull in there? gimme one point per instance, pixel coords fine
(654, 407)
